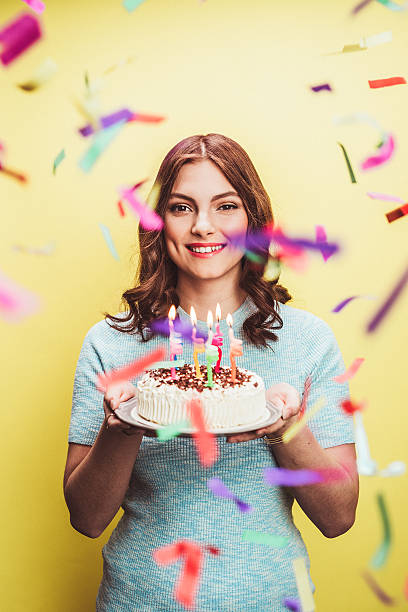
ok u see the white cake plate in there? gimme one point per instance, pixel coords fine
(128, 412)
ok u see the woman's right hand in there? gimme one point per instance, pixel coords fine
(114, 395)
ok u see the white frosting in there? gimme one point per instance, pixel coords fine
(231, 406)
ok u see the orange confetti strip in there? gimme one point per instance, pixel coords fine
(351, 371)
(129, 371)
(386, 82)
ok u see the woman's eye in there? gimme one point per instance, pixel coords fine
(178, 208)
(228, 206)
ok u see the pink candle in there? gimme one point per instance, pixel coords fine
(218, 339)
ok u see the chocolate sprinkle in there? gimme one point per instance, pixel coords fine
(187, 379)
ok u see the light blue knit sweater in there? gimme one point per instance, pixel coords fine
(168, 498)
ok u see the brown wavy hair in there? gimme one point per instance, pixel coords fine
(156, 278)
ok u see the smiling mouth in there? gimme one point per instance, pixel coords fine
(205, 249)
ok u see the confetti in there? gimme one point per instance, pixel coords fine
(145, 118)
(100, 142)
(17, 36)
(374, 586)
(43, 74)
(303, 585)
(381, 555)
(393, 6)
(37, 6)
(107, 121)
(365, 464)
(48, 249)
(221, 490)
(108, 239)
(397, 213)
(16, 303)
(257, 537)
(324, 86)
(121, 209)
(360, 6)
(292, 604)
(349, 167)
(171, 431)
(161, 326)
(376, 84)
(384, 154)
(350, 372)
(350, 407)
(131, 5)
(294, 429)
(186, 587)
(205, 442)
(167, 364)
(130, 371)
(376, 39)
(389, 302)
(384, 196)
(306, 391)
(16, 175)
(149, 219)
(58, 160)
(321, 237)
(283, 477)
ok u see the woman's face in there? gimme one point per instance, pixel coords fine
(202, 212)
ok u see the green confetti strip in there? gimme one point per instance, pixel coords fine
(109, 241)
(101, 141)
(58, 160)
(350, 169)
(256, 537)
(171, 431)
(131, 5)
(381, 555)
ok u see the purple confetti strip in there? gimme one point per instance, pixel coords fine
(375, 587)
(389, 302)
(291, 478)
(317, 88)
(161, 326)
(18, 36)
(121, 115)
(292, 604)
(344, 303)
(219, 489)
(360, 6)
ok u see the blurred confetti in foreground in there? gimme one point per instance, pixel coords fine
(377, 590)
(388, 303)
(381, 555)
(17, 36)
(44, 73)
(16, 303)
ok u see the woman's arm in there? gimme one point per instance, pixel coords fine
(330, 506)
(95, 481)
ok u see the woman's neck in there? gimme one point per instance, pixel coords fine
(205, 294)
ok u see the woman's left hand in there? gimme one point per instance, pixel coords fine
(281, 394)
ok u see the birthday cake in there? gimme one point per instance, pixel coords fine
(163, 400)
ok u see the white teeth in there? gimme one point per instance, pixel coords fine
(206, 249)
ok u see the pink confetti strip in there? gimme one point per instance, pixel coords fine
(296, 478)
(384, 196)
(377, 590)
(389, 302)
(148, 218)
(17, 36)
(186, 587)
(205, 442)
(16, 303)
(129, 371)
(37, 6)
(384, 154)
(147, 118)
(306, 391)
(219, 489)
(351, 371)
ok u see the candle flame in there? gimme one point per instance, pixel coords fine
(172, 312)
(210, 319)
(229, 319)
(193, 316)
(218, 313)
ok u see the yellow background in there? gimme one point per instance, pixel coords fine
(242, 68)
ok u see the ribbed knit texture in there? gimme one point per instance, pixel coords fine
(168, 498)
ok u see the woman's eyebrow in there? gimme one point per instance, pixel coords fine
(216, 197)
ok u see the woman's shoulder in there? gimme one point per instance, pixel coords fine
(103, 331)
(299, 318)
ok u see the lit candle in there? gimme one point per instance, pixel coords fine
(211, 355)
(235, 348)
(172, 316)
(198, 343)
(218, 340)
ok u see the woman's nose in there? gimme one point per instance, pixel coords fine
(202, 225)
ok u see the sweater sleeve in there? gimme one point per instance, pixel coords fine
(87, 412)
(323, 361)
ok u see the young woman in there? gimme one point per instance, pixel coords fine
(208, 190)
